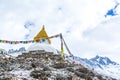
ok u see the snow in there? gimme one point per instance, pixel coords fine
(109, 70)
(21, 73)
(16, 54)
(112, 70)
(42, 46)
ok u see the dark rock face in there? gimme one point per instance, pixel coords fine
(44, 66)
(60, 65)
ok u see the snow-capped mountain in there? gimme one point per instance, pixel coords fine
(102, 65)
(102, 61)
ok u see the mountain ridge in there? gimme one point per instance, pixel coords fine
(103, 60)
(103, 65)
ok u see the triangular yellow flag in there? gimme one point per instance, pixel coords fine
(42, 35)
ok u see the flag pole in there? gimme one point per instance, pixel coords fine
(66, 45)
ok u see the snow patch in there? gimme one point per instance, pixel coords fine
(42, 46)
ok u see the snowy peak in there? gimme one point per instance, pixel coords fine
(102, 65)
(102, 60)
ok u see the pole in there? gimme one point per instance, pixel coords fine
(66, 46)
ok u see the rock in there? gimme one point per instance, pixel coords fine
(83, 70)
(80, 74)
(46, 66)
(28, 67)
(5, 78)
(24, 79)
(33, 65)
(36, 74)
(59, 65)
(60, 77)
(70, 69)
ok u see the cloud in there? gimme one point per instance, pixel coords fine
(104, 39)
(107, 31)
(60, 15)
(77, 20)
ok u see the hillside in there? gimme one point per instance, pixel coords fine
(42, 65)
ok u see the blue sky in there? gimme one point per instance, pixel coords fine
(112, 11)
(80, 22)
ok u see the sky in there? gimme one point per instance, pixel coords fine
(89, 27)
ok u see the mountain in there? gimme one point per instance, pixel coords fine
(42, 62)
(102, 61)
(103, 65)
(43, 65)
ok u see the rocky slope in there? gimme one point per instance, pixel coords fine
(42, 65)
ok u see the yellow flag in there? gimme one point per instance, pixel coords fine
(42, 35)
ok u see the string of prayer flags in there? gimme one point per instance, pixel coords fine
(29, 41)
(20, 42)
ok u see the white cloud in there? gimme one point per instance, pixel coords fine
(74, 18)
(118, 10)
(105, 38)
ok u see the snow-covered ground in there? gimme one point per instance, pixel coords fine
(21, 74)
(111, 70)
(42, 46)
